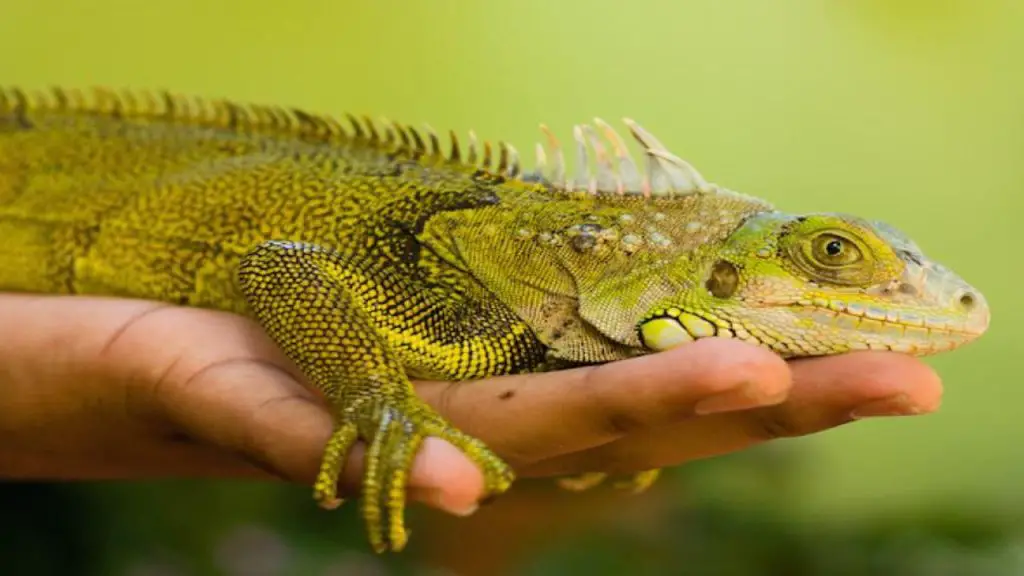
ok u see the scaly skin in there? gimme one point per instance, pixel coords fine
(371, 257)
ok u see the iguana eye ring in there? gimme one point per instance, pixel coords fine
(832, 250)
(832, 255)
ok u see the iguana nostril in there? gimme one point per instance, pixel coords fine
(967, 300)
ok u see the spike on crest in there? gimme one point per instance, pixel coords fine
(389, 138)
(502, 158)
(627, 175)
(604, 162)
(605, 177)
(486, 163)
(417, 141)
(357, 129)
(582, 180)
(542, 159)
(60, 99)
(403, 135)
(150, 106)
(558, 175)
(371, 129)
(20, 101)
(610, 169)
(679, 173)
(435, 142)
(471, 158)
(130, 103)
(455, 154)
(281, 118)
(514, 168)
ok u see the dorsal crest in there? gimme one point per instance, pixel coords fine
(603, 166)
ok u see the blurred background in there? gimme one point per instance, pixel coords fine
(909, 111)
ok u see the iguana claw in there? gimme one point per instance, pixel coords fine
(394, 437)
(636, 483)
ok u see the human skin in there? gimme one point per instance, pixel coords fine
(126, 389)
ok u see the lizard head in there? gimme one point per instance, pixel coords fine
(820, 284)
(655, 257)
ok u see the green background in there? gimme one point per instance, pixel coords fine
(909, 111)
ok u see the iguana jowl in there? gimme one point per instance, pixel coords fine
(370, 255)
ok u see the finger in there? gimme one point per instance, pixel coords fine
(260, 413)
(533, 417)
(826, 393)
(220, 381)
(840, 389)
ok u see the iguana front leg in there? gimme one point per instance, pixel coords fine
(305, 298)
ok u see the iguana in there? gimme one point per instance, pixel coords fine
(371, 256)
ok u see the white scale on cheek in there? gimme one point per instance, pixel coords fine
(665, 333)
(697, 327)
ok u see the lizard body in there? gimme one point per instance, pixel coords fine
(372, 256)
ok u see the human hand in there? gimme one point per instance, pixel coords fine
(105, 388)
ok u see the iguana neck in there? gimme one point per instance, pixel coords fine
(582, 270)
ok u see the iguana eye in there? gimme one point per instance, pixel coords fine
(832, 255)
(837, 250)
(833, 250)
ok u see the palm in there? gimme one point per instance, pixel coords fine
(119, 388)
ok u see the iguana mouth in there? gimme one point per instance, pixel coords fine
(924, 324)
(972, 321)
(898, 331)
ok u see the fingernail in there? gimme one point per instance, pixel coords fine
(898, 405)
(436, 498)
(741, 398)
(465, 511)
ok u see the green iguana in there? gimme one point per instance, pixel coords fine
(372, 256)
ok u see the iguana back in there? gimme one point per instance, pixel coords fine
(103, 195)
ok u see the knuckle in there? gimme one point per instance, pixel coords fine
(609, 417)
(253, 443)
(447, 401)
(770, 425)
(619, 423)
(132, 327)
